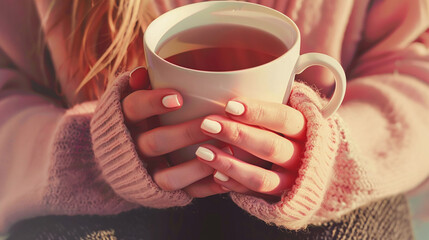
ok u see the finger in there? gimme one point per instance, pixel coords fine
(259, 142)
(274, 116)
(182, 175)
(250, 176)
(204, 188)
(229, 183)
(166, 139)
(143, 104)
(139, 79)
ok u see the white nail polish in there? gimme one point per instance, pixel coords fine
(211, 126)
(205, 154)
(234, 108)
(170, 101)
(221, 177)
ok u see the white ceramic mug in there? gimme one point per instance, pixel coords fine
(207, 92)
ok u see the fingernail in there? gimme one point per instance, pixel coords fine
(228, 150)
(234, 108)
(171, 101)
(225, 189)
(205, 154)
(139, 79)
(211, 126)
(221, 177)
(137, 71)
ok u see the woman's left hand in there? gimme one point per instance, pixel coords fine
(273, 132)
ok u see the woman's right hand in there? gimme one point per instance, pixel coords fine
(141, 108)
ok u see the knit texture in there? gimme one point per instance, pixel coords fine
(117, 158)
(75, 184)
(384, 219)
(82, 160)
(298, 207)
(95, 168)
(335, 176)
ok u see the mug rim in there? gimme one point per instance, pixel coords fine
(274, 11)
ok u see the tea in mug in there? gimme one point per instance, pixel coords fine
(221, 47)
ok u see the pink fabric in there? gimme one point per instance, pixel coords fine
(117, 157)
(81, 160)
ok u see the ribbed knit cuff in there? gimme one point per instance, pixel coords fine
(117, 157)
(299, 207)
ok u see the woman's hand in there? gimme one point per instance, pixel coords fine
(141, 108)
(272, 132)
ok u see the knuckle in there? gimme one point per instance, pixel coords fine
(204, 169)
(164, 181)
(225, 166)
(190, 134)
(237, 135)
(258, 113)
(270, 150)
(154, 103)
(283, 116)
(149, 145)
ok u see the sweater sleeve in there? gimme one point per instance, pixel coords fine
(69, 161)
(375, 146)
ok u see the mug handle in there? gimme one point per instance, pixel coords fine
(310, 59)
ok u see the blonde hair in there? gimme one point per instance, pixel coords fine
(100, 53)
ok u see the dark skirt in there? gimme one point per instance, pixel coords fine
(217, 217)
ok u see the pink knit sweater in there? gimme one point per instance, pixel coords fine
(82, 160)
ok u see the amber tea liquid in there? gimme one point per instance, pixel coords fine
(221, 47)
